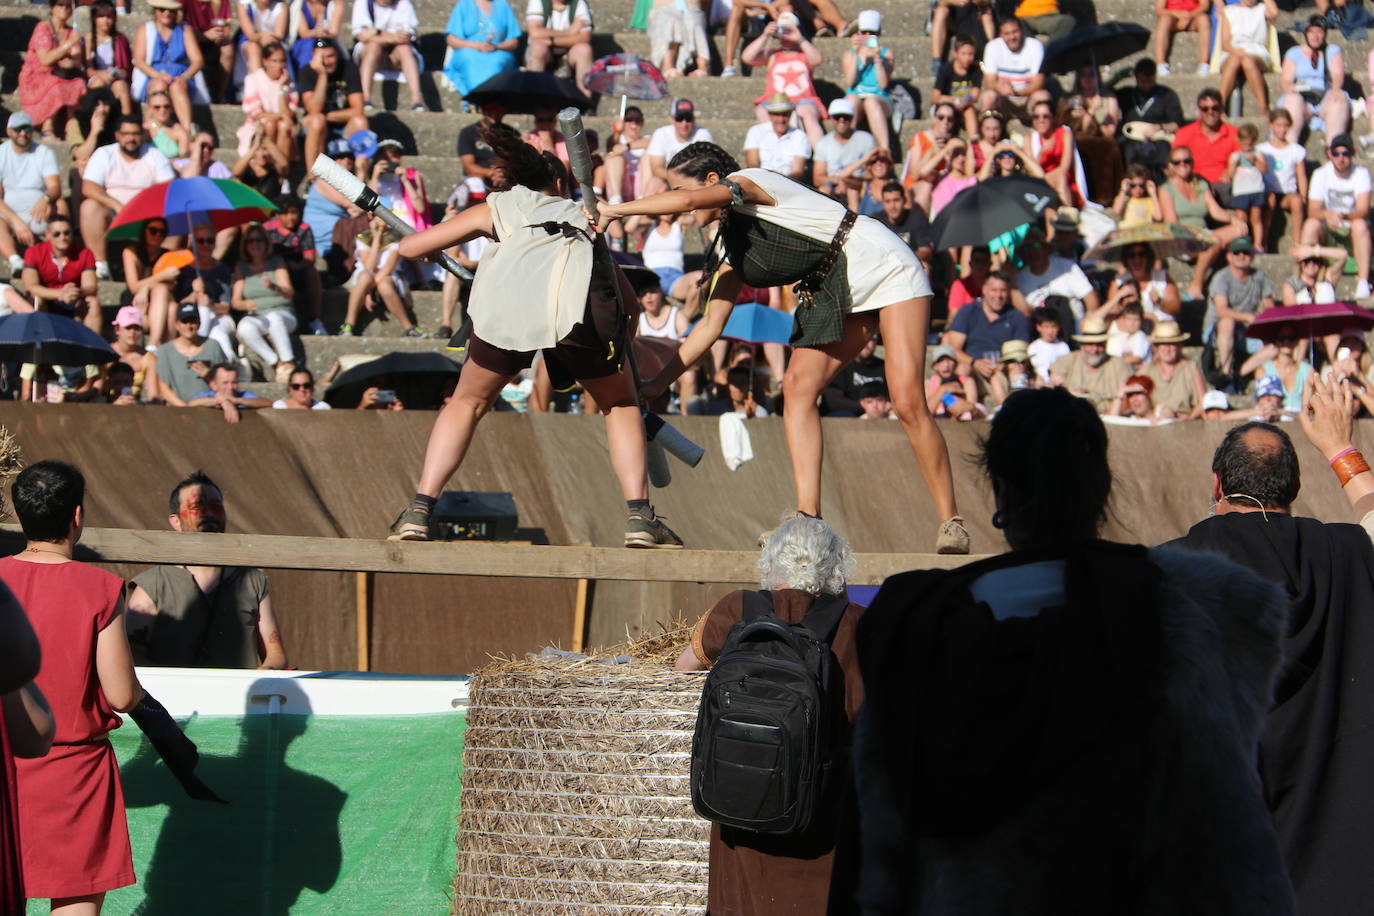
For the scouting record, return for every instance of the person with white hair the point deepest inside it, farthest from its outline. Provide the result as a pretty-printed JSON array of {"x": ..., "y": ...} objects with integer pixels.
[{"x": 802, "y": 559}]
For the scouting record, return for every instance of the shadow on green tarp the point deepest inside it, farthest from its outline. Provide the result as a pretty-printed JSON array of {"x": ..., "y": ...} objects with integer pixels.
[{"x": 326, "y": 814}]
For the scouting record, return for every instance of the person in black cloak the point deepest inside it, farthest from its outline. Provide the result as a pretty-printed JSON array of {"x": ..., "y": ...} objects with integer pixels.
[
  {"x": 1319, "y": 736},
  {"x": 1069, "y": 727}
]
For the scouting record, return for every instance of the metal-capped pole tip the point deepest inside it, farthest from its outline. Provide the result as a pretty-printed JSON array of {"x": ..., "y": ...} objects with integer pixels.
[{"x": 570, "y": 120}]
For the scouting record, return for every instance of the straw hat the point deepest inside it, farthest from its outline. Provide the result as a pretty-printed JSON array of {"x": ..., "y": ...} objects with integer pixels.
[
  {"x": 1015, "y": 351},
  {"x": 165, "y": 5},
  {"x": 779, "y": 103},
  {"x": 1094, "y": 331},
  {"x": 1167, "y": 332}
]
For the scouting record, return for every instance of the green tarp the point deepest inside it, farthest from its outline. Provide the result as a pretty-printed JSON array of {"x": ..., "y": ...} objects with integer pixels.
[{"x": 327, "y": 815}]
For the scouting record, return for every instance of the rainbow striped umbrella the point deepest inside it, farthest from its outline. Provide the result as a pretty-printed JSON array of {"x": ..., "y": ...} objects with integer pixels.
[{"x": 188, "y": 202}]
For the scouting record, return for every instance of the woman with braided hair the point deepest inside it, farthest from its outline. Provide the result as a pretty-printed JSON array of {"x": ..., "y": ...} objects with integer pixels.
[
  {"x": 853, "y": 277},
  {"x": 540, "y": 242}
]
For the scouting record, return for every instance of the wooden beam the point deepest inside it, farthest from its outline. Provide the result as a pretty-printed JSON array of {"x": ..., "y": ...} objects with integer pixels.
[
  {"x": 453, "y": 558},
  {"x": 362, "y": 584}
]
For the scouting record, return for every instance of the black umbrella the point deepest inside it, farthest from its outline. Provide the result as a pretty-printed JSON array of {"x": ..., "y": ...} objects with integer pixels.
[
  {"x": 53, "y": 340},
  {"x": 634, "y": 269},
  {"x": 417, "y": 378},
  {"x": 980, "y": 213},
  {"x": 522, "y": 91},
  {"x": 1095, "y": 46}
]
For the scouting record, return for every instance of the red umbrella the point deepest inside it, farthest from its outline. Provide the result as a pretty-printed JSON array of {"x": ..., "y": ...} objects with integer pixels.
[{"x": 1311, "y": 320}]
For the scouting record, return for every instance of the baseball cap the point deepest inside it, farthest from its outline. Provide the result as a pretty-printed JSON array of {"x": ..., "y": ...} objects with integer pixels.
[
  {"x": 941, "y": 352},
  {"x": 129, "y": 315},
  {"x": 1241, "y": 243},
  {"x": 337, "y": 148},
  {"x": 841, "y": 107},
  {"x": 363, "y": 143},
  {"x": 1270, "y": 384},
  {"x": 1215, "y": 400},
  {"x": 188, "y": 313},
  {"x": 684, "y": 110},
  {"x": 870, "y": 21},
  {"x": 20, "y": 119},
  {"x": 1341, "y": 140}
]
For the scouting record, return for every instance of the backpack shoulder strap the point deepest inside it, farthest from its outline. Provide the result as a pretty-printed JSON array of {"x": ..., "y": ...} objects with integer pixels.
[
  {"x": 757, "y": 604},
  {"x": 823, "y": 618}
]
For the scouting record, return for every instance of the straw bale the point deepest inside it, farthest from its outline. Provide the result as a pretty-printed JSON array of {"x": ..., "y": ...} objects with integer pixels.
[{"x": 575, "y": 786}]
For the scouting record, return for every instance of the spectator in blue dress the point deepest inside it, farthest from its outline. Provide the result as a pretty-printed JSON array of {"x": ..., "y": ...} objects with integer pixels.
[
  {"x": 325, "y": 206},
  {"x": 482, "y": 36}
]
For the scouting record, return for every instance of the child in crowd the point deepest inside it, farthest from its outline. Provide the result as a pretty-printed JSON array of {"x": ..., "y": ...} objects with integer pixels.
[
  {"x": 1137, "y": 203},
  {"x": 377, "y": 254},
  {"x": 875, "y": 402},
  {"x": 1285, "y": 176},
  {"x": 1136, "y": 398},
  {"x": 1245, "y": 170},
  {"x": 949, "y": 394},
  {"x": 1125, "y": 337},
  {"x": 1047, "y": 347}
]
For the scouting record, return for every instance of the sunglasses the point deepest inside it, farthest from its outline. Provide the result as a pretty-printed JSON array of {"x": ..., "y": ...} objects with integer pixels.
[
  {"x": 634, "y": 120},
  {"x": 1006, "y": 154},
  {"x": 1180, "y": 162},
  {"x": 132, "y": 327},
  {"x": 61, "y": 233},
  {"x": 684, "y": 117},
  {"x": 1137, "y": 254},
  {"x": 302, "y": 386},
  {"x": 25, "y": 128},
  {"x": 1135, "y": 184},
  {"x": 1208, "y": 108},
  {"x": 1243, "y": 254},
  {"x": 943, "y": 117},
  {"x": 155, "y": 230},
  {"x": 842, "y": 117},
  {"x": 1343, "y": 153}
]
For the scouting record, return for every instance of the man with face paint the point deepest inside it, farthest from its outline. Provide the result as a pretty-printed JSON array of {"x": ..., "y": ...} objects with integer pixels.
[{"x": 203, "y": 616}]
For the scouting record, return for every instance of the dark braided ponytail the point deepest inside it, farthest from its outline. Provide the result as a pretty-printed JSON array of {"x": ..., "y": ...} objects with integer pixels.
[
  {"x": 515, "y": 161},
  {"x": 700, "y": 159}
]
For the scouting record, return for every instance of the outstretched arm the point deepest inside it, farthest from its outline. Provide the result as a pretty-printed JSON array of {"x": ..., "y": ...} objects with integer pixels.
[
  {"x": 706, "y": 332},
  {"x": 468, "y": 225},
  {"x": 669, "y": 203}
]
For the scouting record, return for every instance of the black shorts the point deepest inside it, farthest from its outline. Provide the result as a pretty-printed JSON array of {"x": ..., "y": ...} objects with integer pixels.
[{"x": 593, "y": 349}]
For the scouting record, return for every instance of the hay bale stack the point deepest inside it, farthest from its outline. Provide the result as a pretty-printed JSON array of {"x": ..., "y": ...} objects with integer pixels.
[{"x": 575, "y": 793}]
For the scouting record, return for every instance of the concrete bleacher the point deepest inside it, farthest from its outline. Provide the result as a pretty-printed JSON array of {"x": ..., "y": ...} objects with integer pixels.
[{"x": 723, "y": 105}]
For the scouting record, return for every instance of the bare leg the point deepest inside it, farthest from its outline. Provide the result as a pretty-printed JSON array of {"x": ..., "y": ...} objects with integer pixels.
[
  {"x": 1164, "y": 31},
  {"x": 877, "y": 113},
  {"x": 407, "y": 57},
  {"x": 809, "y": 372},
  {"x": 367, "y": 67},
  {"x": 88, "y": 905},
  {"x": 357, "y": 296},
  {"x": 1226, "y": 333},
  {"x": 392, "y": 299},
  {"x": 734, "y": 28},
  {"x": 453, "y": 430},
  {"x": 1336, "y": 113},
  {"x": 1230, "y": 70},
  {"x": 615, "y": 397},
  {"x": 904, "y": 327},
  {"x": 95, "y": 219}
]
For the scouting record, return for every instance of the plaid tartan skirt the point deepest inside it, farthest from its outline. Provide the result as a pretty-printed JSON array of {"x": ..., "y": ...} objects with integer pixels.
[{"x": 765, "y": 254}]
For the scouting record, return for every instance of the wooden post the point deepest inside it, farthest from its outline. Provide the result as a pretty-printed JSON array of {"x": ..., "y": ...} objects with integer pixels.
[
  {"x": 579, "y": 635},
  {"x": 363, "y": 590}
]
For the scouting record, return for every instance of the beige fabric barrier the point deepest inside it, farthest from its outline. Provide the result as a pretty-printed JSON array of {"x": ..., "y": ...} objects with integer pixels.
[{"x": 346, "y": 473}]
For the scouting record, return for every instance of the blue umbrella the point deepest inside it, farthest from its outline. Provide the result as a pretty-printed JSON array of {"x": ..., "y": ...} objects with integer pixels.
[
  {"x": 54, "y": 340},
  {"x": 758, "y": 324}
]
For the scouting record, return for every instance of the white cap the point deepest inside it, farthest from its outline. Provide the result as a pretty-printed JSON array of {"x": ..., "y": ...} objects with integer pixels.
[
  {"x": 788, "y": 21},
  {"x": 1215, "y": 400},
  {"x": 841, "y": 107},
  {"x": 870, "y": 21}
]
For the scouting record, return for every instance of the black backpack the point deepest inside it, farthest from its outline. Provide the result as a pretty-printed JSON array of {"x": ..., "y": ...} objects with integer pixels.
[{"x": 772, "y": 711}]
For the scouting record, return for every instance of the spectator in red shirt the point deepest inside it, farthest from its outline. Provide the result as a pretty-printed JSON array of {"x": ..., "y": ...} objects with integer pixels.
[
  {"x": 1212, "y": 141},
  {"x": 969, "y": 286},
  {"x": 59, "y": 274},
  {"x": 294, "y": 242}
]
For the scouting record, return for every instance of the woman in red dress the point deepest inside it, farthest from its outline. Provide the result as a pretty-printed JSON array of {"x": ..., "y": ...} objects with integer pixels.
[
  {"x": 53, "y": 77},
  {"x": 1052, "y": 145},
  {"x": 74, "y": 838}
]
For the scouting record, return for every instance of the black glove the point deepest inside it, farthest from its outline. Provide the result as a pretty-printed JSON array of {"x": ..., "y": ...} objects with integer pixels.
[{"x": 172, "y": 745}]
